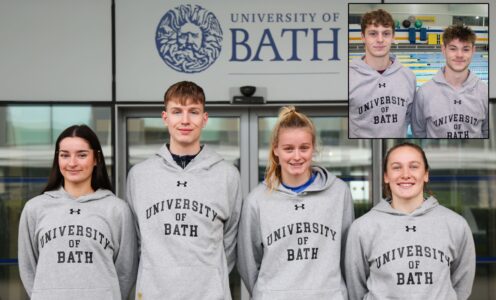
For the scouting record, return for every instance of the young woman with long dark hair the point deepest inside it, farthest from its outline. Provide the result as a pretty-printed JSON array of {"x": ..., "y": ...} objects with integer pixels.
[{"x": 77, "y": 239}]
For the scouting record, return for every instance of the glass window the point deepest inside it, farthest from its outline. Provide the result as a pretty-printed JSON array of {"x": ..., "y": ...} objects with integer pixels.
[
  {"x": 355, "y": 19},
  {"x": 469, "y": 20},
  {"x": 27, "y": 137},
  {"x": 485, "y": 276},
  {"x": 348, "y": 159}
]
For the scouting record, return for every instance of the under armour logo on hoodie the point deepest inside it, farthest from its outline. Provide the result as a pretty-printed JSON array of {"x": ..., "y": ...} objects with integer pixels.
[
  {"x": 75, "y": 211},
  {"x": 382, "y": 85},
  {"x": 302, "y": 206},
  {"x": 179, "y": 183},
  {"x": 413, "y": 228},
  {"x": 457, "y": 101}
]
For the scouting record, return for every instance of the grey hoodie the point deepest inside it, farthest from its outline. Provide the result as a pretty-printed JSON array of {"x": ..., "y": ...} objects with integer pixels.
[
  {"x": 290, "y": 245},
  {"x": 187, "y": 222},
  {"x": 77, "y": 249},
  {"x": 427, "y": 254},
  {"x": 440, "y": 111},
  {"x": 380, "y": 104}
]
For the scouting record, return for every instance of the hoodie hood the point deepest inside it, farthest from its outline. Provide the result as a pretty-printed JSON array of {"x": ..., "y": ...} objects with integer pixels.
[
  {"x": 360, "y": 66},
  {"x": 205, "y": 159},
  {"x": 97, "y": 195},
  {"x": 323, "y": 181},
  {"x": 469, "y": 84},
  {"x": 385, "y": 207}
]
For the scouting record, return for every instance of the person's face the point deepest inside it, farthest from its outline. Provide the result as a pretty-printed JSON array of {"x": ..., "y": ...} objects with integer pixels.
[
  {"x": 458, "y": 55},
  {"x": 184, "y": 122},
  {"x": 76, "y": 161},
  {"x": 377, "y": 40},
  {"x": 406, "y": 174},
  {"x": 294, "y": 150}
]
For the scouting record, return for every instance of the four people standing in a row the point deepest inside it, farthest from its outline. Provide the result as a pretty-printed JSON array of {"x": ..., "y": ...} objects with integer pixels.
[{"x": 78, "y": 241}]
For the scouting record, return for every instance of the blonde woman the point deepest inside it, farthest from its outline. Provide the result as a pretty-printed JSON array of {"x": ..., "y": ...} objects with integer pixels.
[{"x": 293, "y": 225}]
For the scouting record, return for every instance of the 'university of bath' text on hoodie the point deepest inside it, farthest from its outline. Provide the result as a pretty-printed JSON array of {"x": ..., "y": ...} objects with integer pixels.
[
  {"x": 440, "y": 111},
  {"x": 78, "y": 249},
  {"x": 187, "y": 223},
  {"x": 380, "y": 104},
  {"x": 290, "y": 244},
  {"x": 427, "y": 254}
]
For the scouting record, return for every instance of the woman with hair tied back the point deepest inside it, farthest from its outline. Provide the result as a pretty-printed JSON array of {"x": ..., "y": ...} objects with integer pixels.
[
  {"x": 408, "y": 246},
  {"x": 77, "y": 239},
  {"x": 293, "y": 225}
]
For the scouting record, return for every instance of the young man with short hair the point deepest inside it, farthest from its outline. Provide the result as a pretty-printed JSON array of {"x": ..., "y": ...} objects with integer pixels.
[
  {"x": 454, "y": 103},
  {"x": 381, "y": 90},
  {"x": 187, "y": 201}
]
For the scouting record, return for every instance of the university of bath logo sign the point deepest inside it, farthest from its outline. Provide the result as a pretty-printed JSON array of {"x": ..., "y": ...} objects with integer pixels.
[{"x": 189, "y": 38}]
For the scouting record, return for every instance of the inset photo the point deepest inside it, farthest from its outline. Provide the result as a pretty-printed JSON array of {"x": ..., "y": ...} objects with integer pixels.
[{"x": 418, "y": 71}]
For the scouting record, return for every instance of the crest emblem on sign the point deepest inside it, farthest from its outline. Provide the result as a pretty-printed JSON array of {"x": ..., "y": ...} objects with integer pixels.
[{"x": 189, "y": 38}]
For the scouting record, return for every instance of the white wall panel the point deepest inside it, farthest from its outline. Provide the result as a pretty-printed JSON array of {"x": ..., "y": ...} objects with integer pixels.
[{"x": 55, "y": 50}]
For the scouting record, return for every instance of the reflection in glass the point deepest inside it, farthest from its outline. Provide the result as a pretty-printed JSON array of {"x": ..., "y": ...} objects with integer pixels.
[
  {"x": 10, "y": 284},
  {"x": 485, "y": 281}
]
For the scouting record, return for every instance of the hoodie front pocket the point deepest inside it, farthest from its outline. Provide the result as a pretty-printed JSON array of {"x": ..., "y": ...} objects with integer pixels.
[
  {"x": 72, "y": 294},
  {"x": 180, "y": 282}
]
